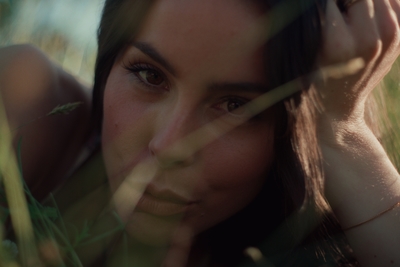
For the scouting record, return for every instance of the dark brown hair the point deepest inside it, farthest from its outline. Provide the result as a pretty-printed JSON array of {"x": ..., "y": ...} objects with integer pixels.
[{"x": 295, "y": 184}]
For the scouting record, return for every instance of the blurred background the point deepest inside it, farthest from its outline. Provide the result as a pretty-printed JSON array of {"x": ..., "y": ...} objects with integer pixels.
[{"x": 64, "y": 29}]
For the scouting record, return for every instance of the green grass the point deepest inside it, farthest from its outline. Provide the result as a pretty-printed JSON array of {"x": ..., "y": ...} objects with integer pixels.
[{"x": 37, "y": 226}]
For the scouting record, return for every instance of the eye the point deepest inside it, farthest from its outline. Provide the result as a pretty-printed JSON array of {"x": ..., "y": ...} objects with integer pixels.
[
  {"x": 233, "y": 105},
  {"x": 147, "y": 74},
  {"x": 151, "y": 76}
]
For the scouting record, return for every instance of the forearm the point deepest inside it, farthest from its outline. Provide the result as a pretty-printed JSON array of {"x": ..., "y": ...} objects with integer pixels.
[{"x": 361, "y": 182}]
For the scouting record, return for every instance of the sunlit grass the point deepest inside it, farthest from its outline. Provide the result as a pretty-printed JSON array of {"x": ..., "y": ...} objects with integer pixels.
[
  {"x": 13, "y": 186},
  {"x": 388, "y": 96},
  {"x": 40, "y": 231}
]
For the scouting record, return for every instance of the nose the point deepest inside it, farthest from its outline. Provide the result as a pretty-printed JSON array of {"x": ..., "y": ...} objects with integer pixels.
[{"x": 169, "y": 144}]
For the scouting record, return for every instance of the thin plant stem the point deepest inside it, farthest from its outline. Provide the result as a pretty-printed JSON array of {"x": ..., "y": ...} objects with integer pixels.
[{"x": 14, "y": 190}]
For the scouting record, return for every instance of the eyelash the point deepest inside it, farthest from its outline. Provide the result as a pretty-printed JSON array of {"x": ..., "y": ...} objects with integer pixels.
[
  {"x": 243, "y": 102},
  {"x": 135, "y": 68},
  {"x": 232, "y": 99}
]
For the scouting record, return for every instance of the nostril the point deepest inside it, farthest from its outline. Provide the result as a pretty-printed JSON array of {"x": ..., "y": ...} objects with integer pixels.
[
  {"x": 172, "y": 164},
  {"x": 171, "y": 158}
]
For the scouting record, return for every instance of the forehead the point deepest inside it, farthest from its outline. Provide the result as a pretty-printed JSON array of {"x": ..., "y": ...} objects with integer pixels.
[
  {"x": 200, "y": 31},
  {"x": 203, "y": 15}
]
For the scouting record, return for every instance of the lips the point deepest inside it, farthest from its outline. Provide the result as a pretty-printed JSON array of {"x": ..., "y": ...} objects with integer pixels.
[{"x": 163, "y": 203}]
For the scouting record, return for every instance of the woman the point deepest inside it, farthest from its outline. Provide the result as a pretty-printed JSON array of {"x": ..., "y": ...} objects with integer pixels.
[{"x": 171, "y": 69}]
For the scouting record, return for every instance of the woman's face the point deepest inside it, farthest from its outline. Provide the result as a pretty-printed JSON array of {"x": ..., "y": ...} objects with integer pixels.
[{"x": 192, "y": 62}]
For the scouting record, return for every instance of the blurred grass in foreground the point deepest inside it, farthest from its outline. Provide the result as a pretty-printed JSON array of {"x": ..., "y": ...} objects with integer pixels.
[{"x": 388, "y": 98}]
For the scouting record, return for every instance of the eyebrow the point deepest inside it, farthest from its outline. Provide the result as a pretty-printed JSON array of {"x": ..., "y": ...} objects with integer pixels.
[
  {"x": 150, "y": 51},
  {"x": 240, "y": 87}
]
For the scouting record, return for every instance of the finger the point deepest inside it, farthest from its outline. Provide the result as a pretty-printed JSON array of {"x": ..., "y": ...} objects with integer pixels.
[
  {"x": 395, "y": 4},
  {"x": 395, "y": 8},
  {"x": 362, "y": 24},
  {"x": 386, "y": 19},
  {"x": 338, "y": 43},
  {"x": 363, "y": 8},
  {"x": 388, "y": 28},
  {"x": 179, "y": 250}
]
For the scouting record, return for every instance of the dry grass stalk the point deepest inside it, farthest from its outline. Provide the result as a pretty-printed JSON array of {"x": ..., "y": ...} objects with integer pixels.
[{"x": 17, "y": 203}]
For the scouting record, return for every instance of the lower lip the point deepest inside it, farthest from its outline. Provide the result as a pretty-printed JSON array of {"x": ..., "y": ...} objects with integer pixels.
[{"x": 160, "y": 207}]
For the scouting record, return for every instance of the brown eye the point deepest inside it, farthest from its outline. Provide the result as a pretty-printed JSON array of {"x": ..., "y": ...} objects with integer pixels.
[
  {"x": 232, "y": 105},
  {"x": 235, "y": 106},
  {"x": 150, "y": 76}
]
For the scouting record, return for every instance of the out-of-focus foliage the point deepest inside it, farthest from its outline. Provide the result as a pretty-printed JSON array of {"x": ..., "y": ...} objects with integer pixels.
[
  {"x": 65, "y": 30},
  {"x": 388, "y": 98},
  {"x": 4, "y": 11}
]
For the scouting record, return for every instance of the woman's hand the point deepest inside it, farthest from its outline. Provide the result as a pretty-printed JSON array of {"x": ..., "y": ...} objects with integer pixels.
[{"x": 368, "y": 30}]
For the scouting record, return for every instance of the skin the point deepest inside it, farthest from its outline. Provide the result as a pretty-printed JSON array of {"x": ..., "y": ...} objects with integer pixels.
[{"x": 144, "y": 115}]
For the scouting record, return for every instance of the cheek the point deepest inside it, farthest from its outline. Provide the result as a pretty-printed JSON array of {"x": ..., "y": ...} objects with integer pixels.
[
  {"x": 242, "y": 160},
  {"x": 120, "y": 108},
  {"x": 124, "y": 131},
  {"x": 235, "y": 173},
  {"x": 111, "y": 127},
  {"x": 112, "y": 114}
]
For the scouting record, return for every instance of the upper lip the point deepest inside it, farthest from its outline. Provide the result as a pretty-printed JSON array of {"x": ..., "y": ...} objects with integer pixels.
[{"x": 167, "y": 195}]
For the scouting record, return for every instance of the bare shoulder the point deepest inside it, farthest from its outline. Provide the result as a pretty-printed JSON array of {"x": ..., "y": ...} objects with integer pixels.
[
  {"x": 28, "y": 76},
  {"x": 31, "y": 86}
]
